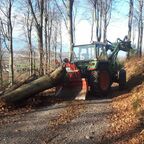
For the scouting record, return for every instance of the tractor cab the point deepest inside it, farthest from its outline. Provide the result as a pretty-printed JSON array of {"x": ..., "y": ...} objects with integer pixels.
[
  {"x": 86, "y": 57},
  {"x": 89, "y": 52}
]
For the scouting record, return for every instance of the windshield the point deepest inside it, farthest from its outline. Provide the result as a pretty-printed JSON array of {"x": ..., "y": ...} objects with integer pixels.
[
  {"x": 89, "y": 52},
  {"x": 84, "y": 52}
]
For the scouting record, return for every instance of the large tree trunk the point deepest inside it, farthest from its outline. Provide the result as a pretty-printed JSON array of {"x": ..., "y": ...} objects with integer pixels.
[
  {"x": 38, "y": 18},
  {"x": 105, "y": 29},
  {"x": 29, "y": 31},
  {"x": 130, "y": 21},
  {"x": 70, "y": 25},
  {"x": 61, "y": 44},
  {"x": 34, "y": 87},
  {"x": 92, "y": 25},
  {"x": 41, "y": 53},
  {"x": 98, "y": 20},
  {"x": 1, "y": 69},
  {"x": 31, "y": 62},
  {"x": 140, "y": 28},
  {"x": 10, "y": 35},
  {"x": 11, "y": 69},
  {"x": 20, "y": 83},
  {"x": 46, "y": 47}
]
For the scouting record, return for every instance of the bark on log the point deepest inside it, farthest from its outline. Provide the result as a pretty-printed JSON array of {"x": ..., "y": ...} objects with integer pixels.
[
  {"x": 34, "y": 87},
  {"x": 18, "y": 84}
]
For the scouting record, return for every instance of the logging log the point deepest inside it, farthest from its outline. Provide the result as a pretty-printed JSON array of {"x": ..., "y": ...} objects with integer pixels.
[
  {"x": 19, "y": 83},
  {"x": 34, "y": 87}
]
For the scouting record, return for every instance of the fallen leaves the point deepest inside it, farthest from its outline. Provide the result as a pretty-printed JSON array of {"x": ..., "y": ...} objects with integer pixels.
[
  {"x": 127, "y": 122},
  {"x": 69, "y": 113}
]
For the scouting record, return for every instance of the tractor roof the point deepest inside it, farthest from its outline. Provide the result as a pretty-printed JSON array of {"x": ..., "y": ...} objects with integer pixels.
[{"x": 94, "y": 43}]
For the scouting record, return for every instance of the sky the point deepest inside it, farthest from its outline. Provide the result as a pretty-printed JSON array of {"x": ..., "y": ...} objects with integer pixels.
[{"x": 116, "y": 29}]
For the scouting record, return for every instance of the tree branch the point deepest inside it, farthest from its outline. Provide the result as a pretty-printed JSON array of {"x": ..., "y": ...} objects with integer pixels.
[
  {"x": 61, "y": 14},
  {"x": 32, "y": 10}
]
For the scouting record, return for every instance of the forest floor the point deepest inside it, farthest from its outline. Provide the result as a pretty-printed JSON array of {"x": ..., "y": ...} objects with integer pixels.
[{"x": 45, "y": 119}]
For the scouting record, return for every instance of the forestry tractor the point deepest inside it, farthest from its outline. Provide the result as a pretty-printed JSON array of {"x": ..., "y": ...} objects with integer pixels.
[{"x": 94, "y": 67}]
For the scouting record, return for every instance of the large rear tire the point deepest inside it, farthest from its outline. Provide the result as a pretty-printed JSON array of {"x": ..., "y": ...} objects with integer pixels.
[
  {"x": 122, "y": 79},
  {"x": 101, "y": 83}
]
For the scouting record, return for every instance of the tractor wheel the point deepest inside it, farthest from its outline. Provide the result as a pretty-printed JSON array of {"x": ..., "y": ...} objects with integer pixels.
[
  {"x": 122, "y": 79},
  {"x": 104, "y": 82},
  {"x": 101, "y": 83}
]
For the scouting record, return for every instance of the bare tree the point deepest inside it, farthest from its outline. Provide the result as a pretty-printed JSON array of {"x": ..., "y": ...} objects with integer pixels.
[
  {"x": 49, "y": 18},
  {"x": 107, "y": 8},
  {"x": 140, "y": 28},
  {"x": 7, "y": 31},
  {"x": 69, "y": 6},
  {"x": 1, "y": 68},
  {"x": 46, "y": 36},
  {"x": 96, "y": 19},
  {"x": 61, "y": 41},
  {"x": 101, "y": 15},
  {"x": 29, "y": 25},
  {"x": 37, "y": 10},
  {"x": 68, "y": 19},
  {"x": 130, "y": 20}
]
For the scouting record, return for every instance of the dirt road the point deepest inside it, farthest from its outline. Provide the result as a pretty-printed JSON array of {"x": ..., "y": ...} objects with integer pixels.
[{"x": 71, "y": 122}]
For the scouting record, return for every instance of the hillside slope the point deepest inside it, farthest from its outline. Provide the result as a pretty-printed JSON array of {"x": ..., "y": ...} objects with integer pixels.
[{"x": 127, "y": 121}]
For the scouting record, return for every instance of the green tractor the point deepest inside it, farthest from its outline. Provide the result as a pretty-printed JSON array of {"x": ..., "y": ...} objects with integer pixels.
[{"x": 97, "y": 63}]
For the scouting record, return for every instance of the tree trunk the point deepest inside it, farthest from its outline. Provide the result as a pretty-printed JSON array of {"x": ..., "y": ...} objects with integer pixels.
[
  {"x": 92, "y": 26},
  {"x": 34, "y": 87},
  {"x": 141, "y": 40},
  {"x": 61, "y": 43},
  {"x": 46, "y": 36},
  {"x": 98, "y": 21},
  {"x": 10, "y": 35},
  {"x": 50, "y": 25},
  {"x": 41, "y": 53},
  {"x": 46, "y": 47},
  {"x": 1, "y": 68},
  {"x": 70, "y": 25},
  {"x": 29, "y": 34},
  {"x": 11, "y": 69},
  {"x": 140, "y": 28},
  {"x": 20, "y": 83},
  {"x": 31, "y": 61},
  {"x": 34, "y": 61},
  {"x": 105, "y": 29},
  {"x": 38, "y": 18},
  {"x": 49, "y": 52},
  {"x": 130, "y": 21}
]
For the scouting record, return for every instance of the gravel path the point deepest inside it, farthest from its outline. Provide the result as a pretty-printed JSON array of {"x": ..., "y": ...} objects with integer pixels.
[{"x": 81, "y": 122}]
